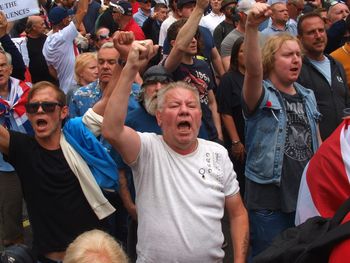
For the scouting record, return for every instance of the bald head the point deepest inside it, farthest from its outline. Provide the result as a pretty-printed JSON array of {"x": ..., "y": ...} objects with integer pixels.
[
  {"x": 35, "y": 26},
  {"x": 337, "y": 11}
]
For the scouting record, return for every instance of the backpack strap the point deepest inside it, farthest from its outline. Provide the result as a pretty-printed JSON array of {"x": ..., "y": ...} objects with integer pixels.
[{"x": 342, "y": 211}]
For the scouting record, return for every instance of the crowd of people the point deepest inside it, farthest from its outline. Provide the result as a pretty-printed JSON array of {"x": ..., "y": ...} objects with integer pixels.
[{"x": 132, "y": 128}]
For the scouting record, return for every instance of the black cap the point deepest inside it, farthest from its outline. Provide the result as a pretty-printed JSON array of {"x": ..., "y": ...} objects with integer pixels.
[
  {"x": 157, "y": 73},
  {"x": 181, "y": 3}
]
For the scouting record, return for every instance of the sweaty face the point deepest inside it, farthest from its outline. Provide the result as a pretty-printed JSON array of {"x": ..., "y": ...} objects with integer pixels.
[
  {"x": 287, "y": 63},
  {"x": 337, "y": 12},
  {"x": 313, "y": 37},
  {"x": 47, "y": 124},
  {"x": 180, "y": 119},
  {"x": 89, "y": 73},
  {"x": 280, "y": 13},
  {"x": 5, "y": 70},
  {"x": 107, "y": 59}
]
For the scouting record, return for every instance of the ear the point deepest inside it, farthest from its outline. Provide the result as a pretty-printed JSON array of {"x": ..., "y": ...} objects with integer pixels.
[
  {"x": 10, "y": 69},
  {"x": 159, "y": 118},
  {"x": 172, "y": 43},
  {"x": 64, "y": 112}
]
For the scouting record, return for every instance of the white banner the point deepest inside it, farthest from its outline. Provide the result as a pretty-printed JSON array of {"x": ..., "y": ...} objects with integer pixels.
[{"x": 17, "y": 9}]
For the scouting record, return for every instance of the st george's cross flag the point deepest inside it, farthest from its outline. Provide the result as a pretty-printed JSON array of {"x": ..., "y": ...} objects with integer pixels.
[{"x": 325, "y": 181}]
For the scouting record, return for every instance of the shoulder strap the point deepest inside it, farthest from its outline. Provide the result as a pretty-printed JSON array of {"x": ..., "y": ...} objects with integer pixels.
[{"x": 342, "y": 211}]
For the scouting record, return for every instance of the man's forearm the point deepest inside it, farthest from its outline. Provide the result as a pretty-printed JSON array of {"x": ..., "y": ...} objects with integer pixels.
[{"x": 239, "y": 229}]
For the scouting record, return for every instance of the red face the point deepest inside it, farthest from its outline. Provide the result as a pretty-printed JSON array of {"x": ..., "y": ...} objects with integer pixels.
[
  {"x": 107, "y": 59},
  {"x": 287, "y": 63},
  {"x": 5, "y": 70},
  {"x": 47, "y": 125},
  {"x": 180, "y": 119}
]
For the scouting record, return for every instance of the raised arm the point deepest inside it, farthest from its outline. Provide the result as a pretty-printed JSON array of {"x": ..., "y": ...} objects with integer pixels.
[
  {"x": 185, "y": 36},
  {"x": 252, "y": 87},
  {"x": 81, "y": 12},
  {"x": 18, "y": 65},
  {"x": 124, "y": 139}
]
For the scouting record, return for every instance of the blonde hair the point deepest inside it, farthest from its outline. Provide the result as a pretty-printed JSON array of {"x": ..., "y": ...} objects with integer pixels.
[
  {"x": 95, "y": 246},
  {"x": 272, "y": 45},
  {"x": 81, "y": 62}
]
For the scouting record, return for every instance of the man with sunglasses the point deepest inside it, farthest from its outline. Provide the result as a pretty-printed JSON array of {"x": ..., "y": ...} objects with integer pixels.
[
  {"x": 102, "y": 36},
  {"x": 143, "y": 12},
  {"x": 58, "y": 179}
]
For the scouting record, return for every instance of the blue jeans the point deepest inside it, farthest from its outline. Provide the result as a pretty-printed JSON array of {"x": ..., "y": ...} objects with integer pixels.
[{"x": 265, "y": 225}]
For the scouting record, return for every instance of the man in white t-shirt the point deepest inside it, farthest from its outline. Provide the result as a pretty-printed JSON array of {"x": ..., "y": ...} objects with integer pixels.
[
  {"x": 214, "y": 18},
  {"x": 182, "y": 183},
  {"x": 59, "y": 49}
]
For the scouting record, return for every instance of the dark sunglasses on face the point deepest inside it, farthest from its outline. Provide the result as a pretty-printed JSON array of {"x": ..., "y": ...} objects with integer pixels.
[{"x": 46, "y": 106}]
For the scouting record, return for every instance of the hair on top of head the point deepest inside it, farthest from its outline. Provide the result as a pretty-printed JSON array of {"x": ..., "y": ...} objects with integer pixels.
[
  {"x": 95, "y": 246},
  {"x": 161, "y": 95},
  {"x": 272, "y": 45},
  {"x": 61, "y": 96},
  {"x": 234, "y": 53},
  {"x": 81, "y": 61}
]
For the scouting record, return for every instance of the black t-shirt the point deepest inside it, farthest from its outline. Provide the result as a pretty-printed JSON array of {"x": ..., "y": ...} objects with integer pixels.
[
  {"x": 228, "y": 98},
  {"x": 297, "y": 153},
  {"x": 57, "y": 208},
  {"x": 199, "y": 75},
  {"x": 37, "y": 63}
]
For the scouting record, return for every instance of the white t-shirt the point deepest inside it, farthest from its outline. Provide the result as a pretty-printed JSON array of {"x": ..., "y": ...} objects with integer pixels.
[
  {"x": 164, "y": 29},
  {"x": 180, "y": 201},
  {"x": 58, "y": 51},
  {"x": 211, "y": 21}
]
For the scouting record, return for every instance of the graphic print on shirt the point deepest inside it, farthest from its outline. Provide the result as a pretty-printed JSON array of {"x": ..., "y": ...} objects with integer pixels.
[{"x": 298, "y": 144}]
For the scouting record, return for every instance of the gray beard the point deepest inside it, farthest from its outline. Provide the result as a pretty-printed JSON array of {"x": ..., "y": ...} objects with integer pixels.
[{"x": 150, "y": 105}]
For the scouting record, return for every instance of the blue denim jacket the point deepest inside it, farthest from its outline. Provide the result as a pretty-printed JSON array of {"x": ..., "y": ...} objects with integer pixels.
[{"x": 266, "y": 133}]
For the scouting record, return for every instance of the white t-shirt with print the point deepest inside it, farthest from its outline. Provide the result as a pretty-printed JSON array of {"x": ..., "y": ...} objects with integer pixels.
[{"x": 180, "y": 201}]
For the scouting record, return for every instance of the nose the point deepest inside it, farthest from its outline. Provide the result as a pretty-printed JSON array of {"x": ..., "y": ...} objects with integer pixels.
[
  {"x": 158, "y": 86},
  {"x": 183, "y": 110}
]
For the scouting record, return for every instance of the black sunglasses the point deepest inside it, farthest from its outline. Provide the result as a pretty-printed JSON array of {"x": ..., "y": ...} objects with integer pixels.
[{"x": 47, "y": 106}]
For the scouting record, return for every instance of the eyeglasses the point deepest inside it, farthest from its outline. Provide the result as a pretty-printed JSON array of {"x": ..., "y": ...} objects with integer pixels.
[
  {"x": 47, "y": 106},
  {"x": 103, "y": 37}
]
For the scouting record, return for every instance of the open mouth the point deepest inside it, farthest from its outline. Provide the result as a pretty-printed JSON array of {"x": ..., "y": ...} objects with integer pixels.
[
  {"x": 184, "y": 125},
  {"x": 41, "y": 123}
]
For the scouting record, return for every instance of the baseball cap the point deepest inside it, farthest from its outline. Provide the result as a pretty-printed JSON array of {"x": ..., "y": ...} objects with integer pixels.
[
  {"x": 123, "y": 7},
  {"x": 245, "y": 5},
  {"x": 225, "y": 3},
  {"x": 57, "y": 14},
  {"x": 156, "y": 73},
  {"x": 181, "y": 3}
]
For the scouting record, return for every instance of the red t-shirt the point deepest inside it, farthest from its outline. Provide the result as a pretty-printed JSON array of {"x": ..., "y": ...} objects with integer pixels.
[{"x": 134, "y": 27}]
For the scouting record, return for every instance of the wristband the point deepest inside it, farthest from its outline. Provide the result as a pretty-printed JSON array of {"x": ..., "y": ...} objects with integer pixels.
[{"x": 235, "y": 142}]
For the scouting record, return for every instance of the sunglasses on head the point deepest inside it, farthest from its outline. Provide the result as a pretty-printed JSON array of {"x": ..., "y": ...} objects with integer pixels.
[
  {"x": 46, "y": 106},
  {"x": 103, "y": 37},
  {"x": 333, "y": 3}
]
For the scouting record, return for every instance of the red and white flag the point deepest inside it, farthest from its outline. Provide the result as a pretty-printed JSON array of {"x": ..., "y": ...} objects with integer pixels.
[{"x": 325, "y": 182}]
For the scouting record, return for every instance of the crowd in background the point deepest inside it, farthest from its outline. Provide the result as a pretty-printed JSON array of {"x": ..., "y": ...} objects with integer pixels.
[{"x": 272, "y": 83}]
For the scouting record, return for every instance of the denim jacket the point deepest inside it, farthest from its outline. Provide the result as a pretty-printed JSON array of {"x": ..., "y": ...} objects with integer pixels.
[{"x": 266, "y": 133}]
